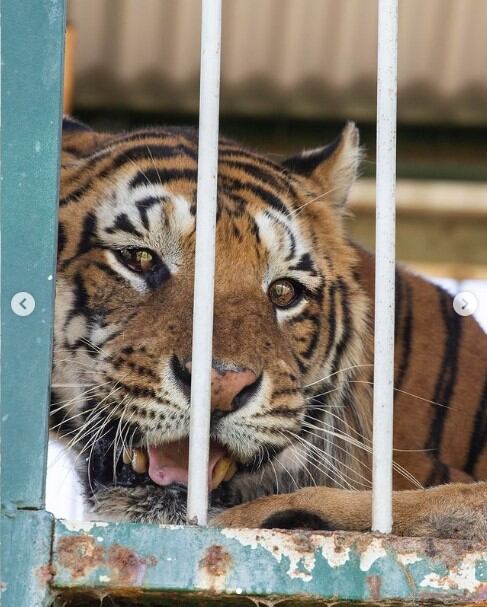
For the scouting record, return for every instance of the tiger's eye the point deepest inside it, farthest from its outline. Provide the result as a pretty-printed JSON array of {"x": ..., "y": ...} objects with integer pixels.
[
  {"x": 138, "y": 260},
  {"x": 282, "y": 293},
  {"x": 144, "y": 260}
]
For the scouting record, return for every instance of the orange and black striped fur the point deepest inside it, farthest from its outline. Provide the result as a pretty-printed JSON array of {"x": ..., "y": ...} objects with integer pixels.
[{"x": 292, "y": 347}]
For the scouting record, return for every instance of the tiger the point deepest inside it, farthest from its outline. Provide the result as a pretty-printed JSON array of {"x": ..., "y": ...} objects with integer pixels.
[{"x": 292, "y": 370}]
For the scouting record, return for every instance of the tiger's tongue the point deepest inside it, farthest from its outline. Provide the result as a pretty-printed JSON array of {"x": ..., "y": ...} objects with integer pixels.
[{"x": 169, "y": 463}]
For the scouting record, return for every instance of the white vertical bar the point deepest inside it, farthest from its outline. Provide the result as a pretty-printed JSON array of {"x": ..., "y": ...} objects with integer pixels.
[
  {"x": 384, "y": 267},
  {"x": 204, "y": 262}
]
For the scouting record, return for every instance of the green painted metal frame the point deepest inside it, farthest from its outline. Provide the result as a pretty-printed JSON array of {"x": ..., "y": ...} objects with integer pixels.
[
  {"x": 32, "y": 46},
  {"x": 146, "y": 561},
  {"x": 32, "y": 61},
  {"x": 140, "y": 564}
]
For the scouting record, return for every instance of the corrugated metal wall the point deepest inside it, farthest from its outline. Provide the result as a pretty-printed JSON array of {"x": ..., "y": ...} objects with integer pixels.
[{"x": 298, "y": 57}]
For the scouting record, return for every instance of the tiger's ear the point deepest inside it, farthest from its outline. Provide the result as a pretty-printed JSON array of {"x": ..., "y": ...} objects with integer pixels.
[
  {"x": 79, "y": 139},
  {"x": 334, "y": 167}
]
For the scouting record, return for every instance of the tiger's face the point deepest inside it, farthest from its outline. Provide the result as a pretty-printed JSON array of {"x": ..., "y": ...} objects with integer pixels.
[{"x": 283, "y": 322}]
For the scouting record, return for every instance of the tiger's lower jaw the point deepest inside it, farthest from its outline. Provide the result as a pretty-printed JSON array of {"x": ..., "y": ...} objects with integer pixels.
[{"x": 148, "y": 504}]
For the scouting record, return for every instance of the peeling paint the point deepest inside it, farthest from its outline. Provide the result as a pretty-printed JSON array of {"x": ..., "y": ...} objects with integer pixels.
[
  {"x": 374, "y": 551},
  {"x": 270, "y": 563},
  {"x": 334, "y": 551},
  {"x": 408, "y": 559},
  {"x": 301, "y": 559},
  {"x": 462, "y": 577}
]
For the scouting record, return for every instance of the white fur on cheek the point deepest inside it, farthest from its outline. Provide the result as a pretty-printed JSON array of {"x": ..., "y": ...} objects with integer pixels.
[
  {"x": 287, "y": 314},
  {"x": 182, "y": 220}
]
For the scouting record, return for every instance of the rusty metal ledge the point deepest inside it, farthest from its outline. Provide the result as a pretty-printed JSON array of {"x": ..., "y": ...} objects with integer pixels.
[{"x": 128, "y": 560}]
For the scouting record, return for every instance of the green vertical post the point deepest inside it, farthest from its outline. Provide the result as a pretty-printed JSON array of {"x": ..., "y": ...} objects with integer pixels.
[
  {"x": 31, "y": 87},
  {"x": 32, "y": 44}
]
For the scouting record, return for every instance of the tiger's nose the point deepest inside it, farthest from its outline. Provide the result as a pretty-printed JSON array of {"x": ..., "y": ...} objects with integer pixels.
[
  {"x": 230, "y": 390},
  {"x": 231, "y": 387}
]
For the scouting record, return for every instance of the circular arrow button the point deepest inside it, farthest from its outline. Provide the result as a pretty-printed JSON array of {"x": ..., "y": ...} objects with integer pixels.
[
  {"x": 22, "y": 303},
  {"x": 465, "y": 303}
]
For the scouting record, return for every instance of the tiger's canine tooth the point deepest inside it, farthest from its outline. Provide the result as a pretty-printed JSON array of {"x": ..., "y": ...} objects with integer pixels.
[
  {"x": 231, "y": 471},
  {"x": 127, "y": 456},
  {"x": 224, "y": 469},
  {"x": 139, "y": 461}
]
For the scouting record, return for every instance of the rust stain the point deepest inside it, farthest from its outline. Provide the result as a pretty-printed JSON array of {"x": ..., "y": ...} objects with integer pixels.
[
  {"x": 126, "y": 565},
  {"x": 216, "y": 561},
  {"x": 374, "y": 586},
  {"x": 80, "y": 555},
  {"x": 302, "y": 542},
  {"x": 45, "y": 574}
]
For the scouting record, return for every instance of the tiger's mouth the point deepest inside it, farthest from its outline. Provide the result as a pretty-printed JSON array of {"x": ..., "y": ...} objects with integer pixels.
[
  {"x": 160, "y": 466},
  {"x": 169, "y": 463}
]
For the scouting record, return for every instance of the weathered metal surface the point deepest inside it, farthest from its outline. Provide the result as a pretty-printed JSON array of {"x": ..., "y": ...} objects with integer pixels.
[
  {"x": 26, "y": 570},
  {"x": 32, "y": 50},
  {"x": 129, "y": 560}
]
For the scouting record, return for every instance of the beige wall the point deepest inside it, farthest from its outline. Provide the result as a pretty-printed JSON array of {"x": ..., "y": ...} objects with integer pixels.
[{"x": 300, "y": 57}]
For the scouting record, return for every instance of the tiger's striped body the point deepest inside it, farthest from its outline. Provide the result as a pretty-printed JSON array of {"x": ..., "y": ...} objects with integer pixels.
[{"x": 123, "y": 332}]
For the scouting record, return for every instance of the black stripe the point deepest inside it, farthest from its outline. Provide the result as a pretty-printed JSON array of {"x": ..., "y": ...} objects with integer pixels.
[
  {"x": 163, "y": 176},
  {"x": 142, "y": 152},
  {"x": 258, "y": 173},
  {"x": 144, "y": 205},
  {"x": 245, "y": 157},
  {"x": 123, "y": 224},
  {"x": 439, "y": 475},
  {"x": 260, "y": 192},
  {"x": 479, "y": 433},
  {"x": 406, "y": 336},
  {"x": 103, "y": 267},
  {"x": 314, "y": 337},
  {"x": 80, "y": 304},
  {"x": 446, "y": 380},
  {"x": 151, "y": 152},
  {"x": 305, "y": 264},
  {"x": 61, "y": 238},
  {"x": 254, "y": 230},
  {"x": 138, "y": 136},
  {"x": 87, "y": 238},
  {"x": 347, "y": 325},
  {"x": 76, "y": 194}
]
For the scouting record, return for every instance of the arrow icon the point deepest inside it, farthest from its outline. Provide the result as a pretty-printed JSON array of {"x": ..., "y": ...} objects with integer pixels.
[{"x": 22, "y": 303}]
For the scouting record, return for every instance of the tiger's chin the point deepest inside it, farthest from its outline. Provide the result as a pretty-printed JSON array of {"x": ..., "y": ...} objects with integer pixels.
[{"x": 149, "y": 504}]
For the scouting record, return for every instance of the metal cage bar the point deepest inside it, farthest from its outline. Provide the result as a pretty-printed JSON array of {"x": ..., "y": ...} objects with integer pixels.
[
  {"x": 384, "y": 267},
  {"x": 204, "y": 262}
]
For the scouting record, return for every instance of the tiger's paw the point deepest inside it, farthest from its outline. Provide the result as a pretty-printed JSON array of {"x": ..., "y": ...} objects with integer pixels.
[{"x": 274, "y": 512}]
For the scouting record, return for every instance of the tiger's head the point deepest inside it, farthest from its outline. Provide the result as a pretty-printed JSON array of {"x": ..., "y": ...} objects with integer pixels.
[{"x": 289, "y": 318}]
